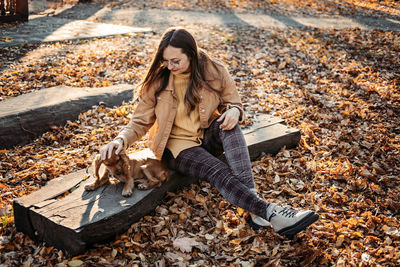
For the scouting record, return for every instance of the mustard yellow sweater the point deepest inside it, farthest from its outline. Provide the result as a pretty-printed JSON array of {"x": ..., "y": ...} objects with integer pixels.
[{"x": 186, "y": 131}]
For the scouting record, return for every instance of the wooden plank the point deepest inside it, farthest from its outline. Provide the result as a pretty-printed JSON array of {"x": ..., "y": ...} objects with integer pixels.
[
  {"x": 81, "y": 218},
  {"x": 269, "y": 134},
  {"x": 262, "y": 121},
  {"x": 271, "y": 139},
  {"x": 53, "y": 188},
  {"x": 26, "y": 117}
]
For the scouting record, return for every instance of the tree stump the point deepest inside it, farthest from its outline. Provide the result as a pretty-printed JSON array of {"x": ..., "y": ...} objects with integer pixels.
[{"x": 65, "y": 216}]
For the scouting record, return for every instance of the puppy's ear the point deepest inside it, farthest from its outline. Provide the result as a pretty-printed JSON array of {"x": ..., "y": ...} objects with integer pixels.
[
  {"x": 97, "y": 162},
  {"x": 126, "y": 165},
  {"x": 122, "y": 152}
]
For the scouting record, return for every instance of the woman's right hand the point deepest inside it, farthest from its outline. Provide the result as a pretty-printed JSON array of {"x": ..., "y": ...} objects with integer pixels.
[{"x": 106, "y": 151}]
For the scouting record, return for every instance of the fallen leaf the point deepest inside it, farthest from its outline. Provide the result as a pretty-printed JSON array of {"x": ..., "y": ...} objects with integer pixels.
[
  {"x": 75, "y": 263},
  {"x": 185, "y": 244}
]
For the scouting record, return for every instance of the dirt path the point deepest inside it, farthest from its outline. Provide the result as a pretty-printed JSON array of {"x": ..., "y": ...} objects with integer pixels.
[{"x": 92, "y": 20}]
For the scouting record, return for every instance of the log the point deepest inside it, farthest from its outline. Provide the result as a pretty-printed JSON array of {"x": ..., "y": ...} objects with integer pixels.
[
  {"x": 27, "y": 116},
  {"x": 75, "y": 220}
]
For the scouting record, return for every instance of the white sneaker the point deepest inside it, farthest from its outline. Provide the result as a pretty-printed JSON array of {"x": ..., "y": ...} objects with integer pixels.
[
  {"x": 288, "y": 222},
  {"x": 256, "y": 221}
]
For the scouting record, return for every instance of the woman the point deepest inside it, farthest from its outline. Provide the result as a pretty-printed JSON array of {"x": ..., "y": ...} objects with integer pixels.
[{"x": 192, "y": 106}]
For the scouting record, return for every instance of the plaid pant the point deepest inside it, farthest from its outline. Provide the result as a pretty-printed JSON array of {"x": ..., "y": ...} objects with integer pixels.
[{"x": 233, "y": 180}]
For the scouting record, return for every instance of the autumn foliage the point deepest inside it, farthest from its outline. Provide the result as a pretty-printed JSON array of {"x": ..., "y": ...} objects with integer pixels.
[{"x": 341, "y": 88}]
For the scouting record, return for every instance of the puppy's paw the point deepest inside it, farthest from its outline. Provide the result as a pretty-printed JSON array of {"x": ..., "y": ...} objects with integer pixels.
[
  {"x": 127, "y": 192},
  {"x": 143, "y": 186},
  {"x": 165, "y": 176},
  {"x": 90, "y": 187}
]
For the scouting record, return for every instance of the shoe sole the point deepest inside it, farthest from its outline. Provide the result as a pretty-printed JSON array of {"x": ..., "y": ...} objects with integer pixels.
[{"x": 291, "y": 231}]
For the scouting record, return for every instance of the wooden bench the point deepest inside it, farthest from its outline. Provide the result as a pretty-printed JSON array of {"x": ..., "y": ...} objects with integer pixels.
[
  {"x": 75, "y": 221},
  {"x": 14, "y": 10}
]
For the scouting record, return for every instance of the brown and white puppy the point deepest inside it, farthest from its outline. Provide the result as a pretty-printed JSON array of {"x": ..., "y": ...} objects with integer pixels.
[{"x": 151, "y": 172}]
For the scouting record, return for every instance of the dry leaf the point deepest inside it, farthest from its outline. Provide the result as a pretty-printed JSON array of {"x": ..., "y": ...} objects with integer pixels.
[
  {"x": 339, "y": 87},
  {"x": 75, "y": 263},
  {"x": 185, "y": 244}
]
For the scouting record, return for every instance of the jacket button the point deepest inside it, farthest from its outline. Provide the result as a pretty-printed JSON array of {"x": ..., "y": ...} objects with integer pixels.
[
  {"x": 201, "y": 97},
  {"x": 203, "y": 110}
]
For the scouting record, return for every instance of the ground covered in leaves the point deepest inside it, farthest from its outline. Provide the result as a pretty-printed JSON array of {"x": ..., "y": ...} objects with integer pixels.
[
  {"x": 320, "y": 8},
  {"x": 341, "y": 88}
]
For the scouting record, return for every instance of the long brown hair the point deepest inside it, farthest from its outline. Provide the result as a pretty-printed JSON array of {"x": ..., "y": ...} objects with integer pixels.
[{"x": 179, "y": 38}]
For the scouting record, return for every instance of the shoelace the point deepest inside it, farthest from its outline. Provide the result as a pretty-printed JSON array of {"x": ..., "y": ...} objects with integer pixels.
[{"x": 287, "y": 212}]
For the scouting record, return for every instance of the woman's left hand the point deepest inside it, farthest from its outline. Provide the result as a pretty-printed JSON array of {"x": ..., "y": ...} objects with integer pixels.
[{"x": 230, "y": 118}]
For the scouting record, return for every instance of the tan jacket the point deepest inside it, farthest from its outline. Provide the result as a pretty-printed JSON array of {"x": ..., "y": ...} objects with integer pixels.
[{"x": 158, "y": 112}]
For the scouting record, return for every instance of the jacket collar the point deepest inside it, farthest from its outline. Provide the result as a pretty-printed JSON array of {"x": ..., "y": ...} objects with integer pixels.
[{"x": 170, "y": 86}]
